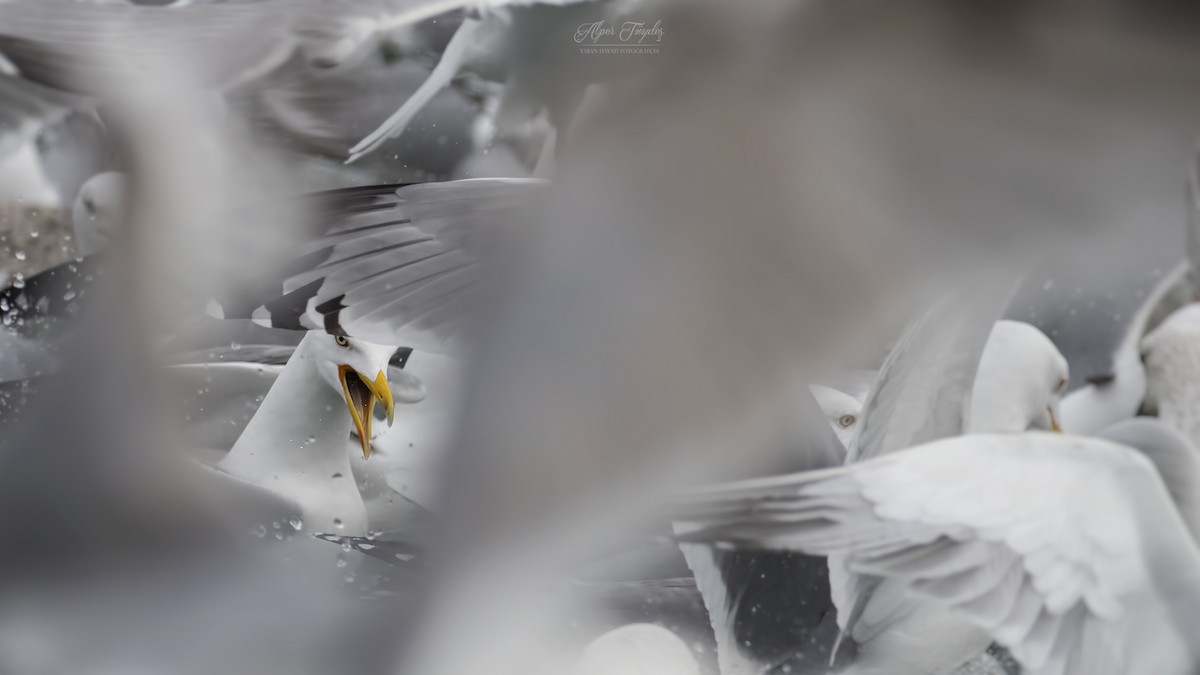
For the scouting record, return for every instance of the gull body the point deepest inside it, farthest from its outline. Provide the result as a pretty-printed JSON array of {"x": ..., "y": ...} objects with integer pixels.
[
  {"x": 295, "y": 445},
  {"x": 1018, "y": 382}
]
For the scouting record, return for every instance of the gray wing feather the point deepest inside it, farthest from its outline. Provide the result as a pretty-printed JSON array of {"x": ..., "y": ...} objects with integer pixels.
[
  {"x": 921, "y": 392},
  {"x": 416, "y": 277},
  {"x": 74, "y": 46}
]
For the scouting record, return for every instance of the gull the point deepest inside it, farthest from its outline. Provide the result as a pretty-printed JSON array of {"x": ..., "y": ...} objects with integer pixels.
[
  {"x": 97, "y": 216},
  {"x": 391, "y": 264},
  {"x": 1016, "y": 385},
  {"x": 98, "y": 212},
  {"x": 932, "y": 387},
  {"x": 28, "y": 305},
  {"x": 1078, "y": 554},
  {"x": 221, "y": 389},
  {"x": 1020, "y": 381},
  {"x": 520, "y": 42},
  {"x": 1013, "y": 349},
  {"x": 744, "y": 592},
  {"x": 224, "y": 388},
  {"x": 1120, "y": 392},
  {"x": 258, "y": 55},
  {"x": 294, "y": 446},
  {"x": 44, "y": 142}
]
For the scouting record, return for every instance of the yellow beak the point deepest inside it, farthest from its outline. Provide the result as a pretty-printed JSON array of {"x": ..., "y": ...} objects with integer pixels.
[
  {"x": 1054, "y": 421},
  {"x": 361, "y": 395}
]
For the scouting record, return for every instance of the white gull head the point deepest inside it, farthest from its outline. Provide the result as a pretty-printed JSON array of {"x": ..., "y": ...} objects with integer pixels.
[{"x": 1020, "y": 382}]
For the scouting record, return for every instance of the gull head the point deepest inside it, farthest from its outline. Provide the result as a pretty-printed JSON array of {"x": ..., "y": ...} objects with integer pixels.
[
  {"x": 358, "y": 370},
  {"x": 98, "y": 211},
  {"x": 841, "y": 410},
  {"x": 1020, "y": 382}
]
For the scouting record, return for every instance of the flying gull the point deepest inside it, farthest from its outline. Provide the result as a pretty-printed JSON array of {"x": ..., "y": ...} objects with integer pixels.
[{"x": 1078, "y": 554}]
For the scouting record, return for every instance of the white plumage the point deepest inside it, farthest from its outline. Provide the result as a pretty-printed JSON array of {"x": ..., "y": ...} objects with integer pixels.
[{"x": 1068, "y": 550}]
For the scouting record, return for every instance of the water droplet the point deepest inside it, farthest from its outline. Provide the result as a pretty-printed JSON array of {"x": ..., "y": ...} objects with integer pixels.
[
  {"x": 296, "y": 524},
  {"x": 20, "y": 255},
  {"x": 235, "y": 346},
  {"x": 34, "y": 234},
  {"x": 260, "y": 531},
  {"x": 337, "y": 522},
  {"x": 341, "y": 562},
  {"x": 18, "y": 281},
  {"x": 69, "y": 296}
]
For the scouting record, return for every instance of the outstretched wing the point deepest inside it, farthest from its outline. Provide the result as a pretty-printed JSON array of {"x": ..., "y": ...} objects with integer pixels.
[
  {"x": 80, "y": 47},
  {"x": 921, "y": 392},
  {"x": 1038, "y": 539},
  {"x": 394, "y": 265}
]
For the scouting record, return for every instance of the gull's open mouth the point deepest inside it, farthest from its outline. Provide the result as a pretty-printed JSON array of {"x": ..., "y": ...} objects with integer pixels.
[{"x": 361, "y": 395}]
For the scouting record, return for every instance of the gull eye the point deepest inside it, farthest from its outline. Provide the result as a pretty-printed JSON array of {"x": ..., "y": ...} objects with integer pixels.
[
  {"x": 1061, "y": 386},
  {"x": 341, "y": 340},
  {"x": 845, "y": 421}
]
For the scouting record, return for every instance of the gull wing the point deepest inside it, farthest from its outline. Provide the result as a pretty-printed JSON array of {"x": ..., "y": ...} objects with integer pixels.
[
  {"x": 394, "y": 265},
  {"x": 1042, "y": 540},
  {"x": 81, "y": 47}
]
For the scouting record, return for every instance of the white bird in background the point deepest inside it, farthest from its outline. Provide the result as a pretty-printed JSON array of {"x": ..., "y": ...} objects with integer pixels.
[
  {"x": 1014, "y": 384},
  {"x": 1122, "y": 391},
  {"x": 1078, "y": 554},
  {"x": 1021, "y": 379},
  {"x": 27, "y": 111},
  {"x": 1008, "y": 393},
  {"x": 98, "y": 212},
  {"x": 531, "y": 46}
]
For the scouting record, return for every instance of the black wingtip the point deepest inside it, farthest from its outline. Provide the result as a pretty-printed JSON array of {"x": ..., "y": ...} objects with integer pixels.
[{"x": 400, "y": 357}]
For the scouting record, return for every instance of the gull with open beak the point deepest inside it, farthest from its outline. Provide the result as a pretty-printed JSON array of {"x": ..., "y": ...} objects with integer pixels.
[{"x": 295, "y": 445}]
